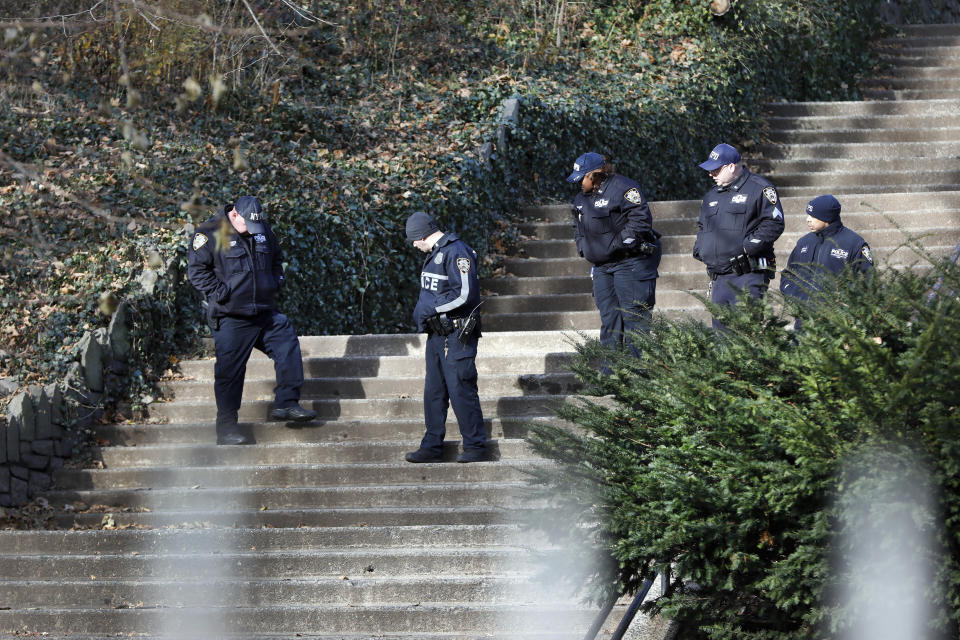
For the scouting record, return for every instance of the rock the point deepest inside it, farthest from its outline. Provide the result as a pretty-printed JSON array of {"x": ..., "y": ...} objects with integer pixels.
[
  {"x": 32, "y": 461},
  {"x": 20, "y": 420},
  {"x": 42, "y": 447},
  {"x": 38, "y": 482},
  {"x": 148, "y": 281},
  {"x": 8, "y": 386},
  {"x": 57, "y": 415},
  {"x": 41, "y": 405},
  {"x": 511, "y": 111},
  {"x": 91, "y": 359},
  {"x": 3, "y": 444},
  {"x": 119, "y": 333},
  {"x": 4, "y": 481},
  {"x": 17, "y": 471},
  {"x": 18, "y": 491}
]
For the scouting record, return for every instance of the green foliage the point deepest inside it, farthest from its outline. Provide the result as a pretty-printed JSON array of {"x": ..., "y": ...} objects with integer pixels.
[{"x": 732, "y": 457}]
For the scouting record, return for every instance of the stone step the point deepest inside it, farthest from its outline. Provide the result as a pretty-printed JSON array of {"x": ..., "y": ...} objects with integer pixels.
[
  {"x": 863, "y": 122},
  {"x": 203, "y": 455},
  {"x": 412, "y": 344},
  {"x": 533, "y": 285},
  {"x": 136, "y": 541},
  {"x": 587, "y": 320},
  {"x": 809, "y": 192},
  {"x": 911, "y": 41},
  {"x": 889, "y": 135},
  {"x": 903, "y": 70},
  {"x": 615, "y": 616},
  {"x": 950, "y": 83},
  {"x": 391, "y": 366},
  {"x": 352, "y": 409},
  {"x": 863, "y": 150},
  {"x": 860, "y": 108},
  {"x": 920, "y": 57},
  {"x": 949, "y": 175},
  {"x": 905, "y": 165},
  {"x": 257, "y": 388},
  {"x": 929, "y": 30},
  {"x": 887, "y": 93},
  {"x": 666, "y": 298},
  {"x": 504, "y": 426},
  {"x": 292, "y": 518},
  {"x": 357, "y": 591},
  {"x": 479, "y": 619},
  {"x": 289, "y": 475}
]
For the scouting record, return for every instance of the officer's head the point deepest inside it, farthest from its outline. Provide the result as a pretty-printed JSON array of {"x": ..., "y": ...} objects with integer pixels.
[
  {"x": 590, "y": 170},
  {"x": 246, "y": 215},
  {"x": 422, "y": 231},
  {"x": 822, "y": 211},
  {"x": 723, "y": 164}
]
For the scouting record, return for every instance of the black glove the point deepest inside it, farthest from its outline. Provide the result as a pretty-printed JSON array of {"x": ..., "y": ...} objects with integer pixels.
[
  {"x": 646, "y": 249},
  {"x": 741, "y": 264}
]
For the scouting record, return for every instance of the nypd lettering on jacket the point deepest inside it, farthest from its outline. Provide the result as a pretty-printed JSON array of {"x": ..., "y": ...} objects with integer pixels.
[
  {"x": 448, "y": 281},
  {"x": 822, "y": 254},
  {"x": 611, "y": 220},
  {"x": 745, "y": 216}
]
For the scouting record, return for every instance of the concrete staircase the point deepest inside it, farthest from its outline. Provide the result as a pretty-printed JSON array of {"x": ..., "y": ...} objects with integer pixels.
[{"x": 323, "y": 531}]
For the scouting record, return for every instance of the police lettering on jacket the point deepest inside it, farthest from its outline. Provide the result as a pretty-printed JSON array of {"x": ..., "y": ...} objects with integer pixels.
[
  {"x": 745, "y": 216},
  {"x": 239, "y": 275},
  {"x": 822, "y": 254},
  {"x": 448, "y": 281},
  {"x": 612, "y": 220}
]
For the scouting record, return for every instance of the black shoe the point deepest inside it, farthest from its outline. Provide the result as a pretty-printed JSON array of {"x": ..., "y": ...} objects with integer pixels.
[
  {"x": 473, "y": 455},
  {"x": 295, "y": 413},
  {"x": 234, "y": 438},
  {"x": 422, "y": 455}
]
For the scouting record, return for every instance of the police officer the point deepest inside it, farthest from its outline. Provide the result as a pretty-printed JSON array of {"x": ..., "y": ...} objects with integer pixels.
[
  {"x": 740, "y": 219},
  {"x": 446, "y": 308},
  {"x": 613, "y": 229},
  {"x": 235, "y": 262},
  {"x": 825, "y": 251}
]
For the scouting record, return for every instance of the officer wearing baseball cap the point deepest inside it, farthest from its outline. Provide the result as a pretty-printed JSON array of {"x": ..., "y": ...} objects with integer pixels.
[
  {"x": 613, "y": 229},
  {"x": 235, "y": 262},
  {"x": 740, "y": 219},
  {"x": 447, "y": 310},
  {"x": 829, "y": 248}
]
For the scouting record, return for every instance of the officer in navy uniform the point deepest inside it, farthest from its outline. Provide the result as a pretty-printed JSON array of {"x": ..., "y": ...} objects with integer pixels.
[
  {"x": 829, "y": 248},
  {"x": 740, "y": 219},
  {"x": 613, "y": 229},
  {"x": 446, "y": 311},
  {"x": 236, "y": 264}
]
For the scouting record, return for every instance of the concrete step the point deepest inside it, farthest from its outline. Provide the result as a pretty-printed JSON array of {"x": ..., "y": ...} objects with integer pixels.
[
  {"x": 860, "y": 108},
  {"x": 906, "y": 165},
  {"x": 667, "y": 298},
  {"x": 929, "y": 30},
  {"x": 903, "y": 70},
  {"x": 887, "y": 93},
  {"x": 809, "y": 192},
  {"x": 920, "y": 57},
  {"x": 490, "y": 384},
  {"x": 350, "y": 408},
  {"x": 432, "y": 618},
  {"x": 866, "y": 180},
  {"x": 911, "y": 41},
  {"x": 587, "y": 320},
  {"x": 412, "y": 344},
  {"x": 291, "y": 475},
  {"x": 173, "y": 501},
  {"x": 504, "y": 426},
  {"x": 291, "y": 453},
  {"x": 802, "y": 136},
  {"x": 390, "y": 366},
  {"x": 290, "y": 517},
  {"x": 864, "y": 122},
  {"x": 950, "y": 83},
  {"x": 825, "y": 149}
]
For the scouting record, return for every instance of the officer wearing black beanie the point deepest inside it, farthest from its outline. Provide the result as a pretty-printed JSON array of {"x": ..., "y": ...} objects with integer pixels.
[
  {"x": 824, "y": 252},
  {"x": 447, "y": 310}
]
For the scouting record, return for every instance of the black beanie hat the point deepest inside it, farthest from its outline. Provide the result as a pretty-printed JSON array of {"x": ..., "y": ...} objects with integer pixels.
[
  {"x": 420, "y": 225},
  {"x": 826, "y": 208}
]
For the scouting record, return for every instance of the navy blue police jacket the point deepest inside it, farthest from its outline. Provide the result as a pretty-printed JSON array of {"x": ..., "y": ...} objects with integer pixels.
[
  {"x": 611, "y": 221},
  {"x": 240, "y": 275},
  {"x": 745, "y": 216},
  {"x": 448, "y": 281},
  {"x": 822, "y": 254}
]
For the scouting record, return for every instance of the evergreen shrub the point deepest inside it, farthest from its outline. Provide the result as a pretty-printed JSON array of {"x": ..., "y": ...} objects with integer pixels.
[{"x": 733, "y": 460}]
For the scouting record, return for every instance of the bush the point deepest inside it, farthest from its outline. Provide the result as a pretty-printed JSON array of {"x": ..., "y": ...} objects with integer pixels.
[{"x": 730, "y": 459}]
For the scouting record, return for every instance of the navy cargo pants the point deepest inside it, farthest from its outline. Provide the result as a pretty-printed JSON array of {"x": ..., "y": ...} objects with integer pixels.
[
  {"x": 728, "y": 286},
  {"x": 234, "y": 339},
  {"x": 624, "y": 294},
  {"x": 452, "y": 379}
]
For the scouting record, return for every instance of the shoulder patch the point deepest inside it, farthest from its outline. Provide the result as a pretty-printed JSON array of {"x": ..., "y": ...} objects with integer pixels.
[
  {"x": 865, "y": 252},
  {"x": 633, "y": 195},
  {"x": 770, "y": 193},
  {"x": 199, "y": 240},
  {"x": 463, "y": 264}
]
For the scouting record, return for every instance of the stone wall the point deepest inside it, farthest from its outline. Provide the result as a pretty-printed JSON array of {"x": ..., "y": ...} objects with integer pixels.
[{"x": 43, "y": 423}]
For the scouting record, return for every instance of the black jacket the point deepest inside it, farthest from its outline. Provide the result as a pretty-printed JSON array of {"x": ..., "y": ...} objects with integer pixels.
[
  {"x": 610, "y": 222},
  {"x": 241, "y": 276},
  {"x": 448, "y": 281},
  {"x": 745, "y": 216},
  {"x": 822, "y": 254}
]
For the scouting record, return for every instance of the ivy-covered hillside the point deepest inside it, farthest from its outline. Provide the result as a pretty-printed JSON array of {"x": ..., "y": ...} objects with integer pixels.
[{"x": 124, "y": 123}]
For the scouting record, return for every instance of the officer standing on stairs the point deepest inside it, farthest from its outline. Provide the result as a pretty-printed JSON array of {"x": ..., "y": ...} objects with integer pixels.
[
  {"x": 740, "y": 219},
  {"x": 824, "y": 252},
  {"x": 613, "y": 229},
  {"x": 447, "y": 310},
  {"x": 236, "y": 263}
]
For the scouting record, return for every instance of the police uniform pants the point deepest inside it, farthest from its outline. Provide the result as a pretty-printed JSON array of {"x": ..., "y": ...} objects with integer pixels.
[
  {"x": 234, "y": 340},
  {"x": 451, "y": 378},
  {"x": 624, "y": 294},
  {"x": 728, "y": 286}
]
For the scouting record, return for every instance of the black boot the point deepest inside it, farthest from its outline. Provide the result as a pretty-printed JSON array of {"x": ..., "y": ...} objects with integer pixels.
[{"x": 296, "y": 413}]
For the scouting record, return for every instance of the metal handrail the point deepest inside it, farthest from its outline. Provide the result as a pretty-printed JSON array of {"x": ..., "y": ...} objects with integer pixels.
[{"x": 627, "y": 617}]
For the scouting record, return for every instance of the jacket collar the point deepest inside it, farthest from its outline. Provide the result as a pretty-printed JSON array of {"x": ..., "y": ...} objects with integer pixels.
[{"x": 831, "y": 229}]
